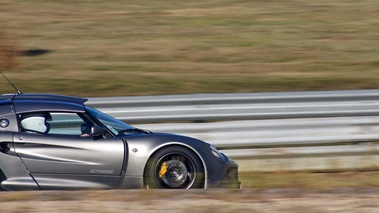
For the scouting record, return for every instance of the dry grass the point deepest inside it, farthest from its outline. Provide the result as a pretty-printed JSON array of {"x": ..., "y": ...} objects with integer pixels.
[
  {"x": 98, "y": 48},
  {"x": 352, "y": 191},
  {"x": 224, "y": 201},
  {"x": 310, "y": 180}
]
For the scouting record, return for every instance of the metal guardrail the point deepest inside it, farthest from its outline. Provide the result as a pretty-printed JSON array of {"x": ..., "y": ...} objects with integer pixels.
[
  {"x": 266, "y": 131},
  {"x": 278, "y": 133},
  {"x": 210, "y": 107}
]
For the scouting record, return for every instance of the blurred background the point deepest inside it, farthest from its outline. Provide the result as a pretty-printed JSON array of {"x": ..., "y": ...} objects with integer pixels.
[
  {"x": 103, "y": 48},
  {"x": 120, "y": 47}
]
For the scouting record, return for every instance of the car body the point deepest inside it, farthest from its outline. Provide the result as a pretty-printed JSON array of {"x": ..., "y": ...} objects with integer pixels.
[{"x": 57, "y": 142}]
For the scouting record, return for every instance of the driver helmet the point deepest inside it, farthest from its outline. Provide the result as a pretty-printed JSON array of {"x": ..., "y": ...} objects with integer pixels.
[{"x": 36, "y": 122}]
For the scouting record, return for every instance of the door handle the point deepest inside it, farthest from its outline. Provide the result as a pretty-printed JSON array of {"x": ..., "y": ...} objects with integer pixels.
[{"x": 19, "y": 144}]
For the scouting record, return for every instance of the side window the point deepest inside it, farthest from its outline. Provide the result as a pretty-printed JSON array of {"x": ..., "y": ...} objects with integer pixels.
[
  {"x": 66, "y": 124},
  {"x": 55, "y": 123}
]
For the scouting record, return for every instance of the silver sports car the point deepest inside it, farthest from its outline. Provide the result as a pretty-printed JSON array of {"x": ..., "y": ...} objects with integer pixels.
[{"x": 57, "y": 142}]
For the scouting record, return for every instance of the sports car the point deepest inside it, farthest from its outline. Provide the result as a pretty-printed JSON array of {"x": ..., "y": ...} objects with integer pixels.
[{"x": 52, "y": 142}]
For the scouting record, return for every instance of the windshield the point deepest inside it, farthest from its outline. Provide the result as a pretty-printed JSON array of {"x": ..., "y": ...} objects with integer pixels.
[{"x": 117, "y": 127}]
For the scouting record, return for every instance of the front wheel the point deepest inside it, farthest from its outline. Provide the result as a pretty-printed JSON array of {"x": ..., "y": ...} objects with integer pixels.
[{"x": 174, "y": 168}]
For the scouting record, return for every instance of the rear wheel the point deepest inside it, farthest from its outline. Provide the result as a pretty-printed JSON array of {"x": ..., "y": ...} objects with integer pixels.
[{"x": 174, "y": 168}]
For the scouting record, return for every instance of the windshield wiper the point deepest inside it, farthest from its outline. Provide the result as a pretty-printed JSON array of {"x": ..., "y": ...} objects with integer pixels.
[{"x": 136, "y": 130}]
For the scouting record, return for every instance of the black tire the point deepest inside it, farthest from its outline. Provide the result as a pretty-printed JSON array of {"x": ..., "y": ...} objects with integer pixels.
[{"x": 174, "y": 167}]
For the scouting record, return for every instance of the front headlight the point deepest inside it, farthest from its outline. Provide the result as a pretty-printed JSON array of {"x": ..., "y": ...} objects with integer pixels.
[{"x": 215, "y": 151}]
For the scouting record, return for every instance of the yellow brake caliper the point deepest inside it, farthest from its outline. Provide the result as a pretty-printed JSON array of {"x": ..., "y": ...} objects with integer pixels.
[{"x": 163, "y": 170}]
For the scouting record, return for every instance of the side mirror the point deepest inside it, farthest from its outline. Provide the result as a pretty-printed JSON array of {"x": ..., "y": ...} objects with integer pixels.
[{"x": 97, "y": 130}]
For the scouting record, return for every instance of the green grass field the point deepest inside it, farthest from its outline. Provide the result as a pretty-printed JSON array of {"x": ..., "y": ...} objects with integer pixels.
[{"x": 121, "y": 47}]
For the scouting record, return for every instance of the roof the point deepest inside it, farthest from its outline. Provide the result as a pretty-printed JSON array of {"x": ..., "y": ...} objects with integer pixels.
[{"x": 43, "y": 97}]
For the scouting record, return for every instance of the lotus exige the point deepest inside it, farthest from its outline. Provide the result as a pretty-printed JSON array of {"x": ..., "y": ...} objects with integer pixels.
[{"x": 57, "y": 142}]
